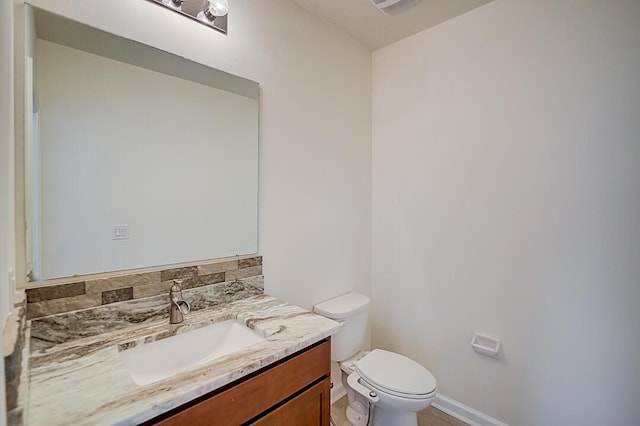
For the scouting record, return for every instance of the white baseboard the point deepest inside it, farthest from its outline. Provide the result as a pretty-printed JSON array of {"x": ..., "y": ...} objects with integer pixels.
[
  {"x": 337, "y": 392},
  {"x": 337, "y": 389},
  {"x": 464, "y": 413}
]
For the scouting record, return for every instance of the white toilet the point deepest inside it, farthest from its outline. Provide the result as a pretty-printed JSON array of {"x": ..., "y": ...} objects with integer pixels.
[{"x": 383, "y": 388}]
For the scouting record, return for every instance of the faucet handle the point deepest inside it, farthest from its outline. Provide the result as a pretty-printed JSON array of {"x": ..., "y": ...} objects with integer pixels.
[
  {"x": 175, "y": 293},
  {"x": 178, "y": 306},
  {"x": 177, "y": 286}
]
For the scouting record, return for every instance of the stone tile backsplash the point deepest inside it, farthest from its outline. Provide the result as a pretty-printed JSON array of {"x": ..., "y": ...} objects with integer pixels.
[
  {"x": 56, "y": 292},
  {"x": 66, "y": 297}
]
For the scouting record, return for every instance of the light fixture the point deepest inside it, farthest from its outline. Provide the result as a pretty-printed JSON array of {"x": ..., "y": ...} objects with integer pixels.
[
  {"x": 216, "y": 9},
  {"x": 212, "y": 13}
]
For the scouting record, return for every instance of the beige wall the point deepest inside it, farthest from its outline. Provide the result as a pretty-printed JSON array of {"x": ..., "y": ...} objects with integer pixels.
[
  {"x": 315, "y": 125},
  {"x": 506, "y": 199}
]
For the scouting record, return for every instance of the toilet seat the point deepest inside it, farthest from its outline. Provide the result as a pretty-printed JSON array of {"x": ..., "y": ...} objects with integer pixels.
[{"x": 396, "y": 374}]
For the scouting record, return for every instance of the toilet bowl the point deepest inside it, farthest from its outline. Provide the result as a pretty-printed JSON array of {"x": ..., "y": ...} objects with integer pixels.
[
  {"x": 401, "y": 388},
  {"x": 384, "y": 388}
]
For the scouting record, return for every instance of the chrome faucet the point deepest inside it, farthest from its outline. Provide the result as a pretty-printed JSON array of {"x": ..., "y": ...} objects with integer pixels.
[{"x": 178, "y": 306}]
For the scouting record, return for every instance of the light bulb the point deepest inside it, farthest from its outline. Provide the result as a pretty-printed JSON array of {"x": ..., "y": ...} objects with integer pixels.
[{"x": 217, "y": 8}]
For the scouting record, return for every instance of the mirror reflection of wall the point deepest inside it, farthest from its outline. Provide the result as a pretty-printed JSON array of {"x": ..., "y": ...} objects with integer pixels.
[{"x": 137, "y": 168}]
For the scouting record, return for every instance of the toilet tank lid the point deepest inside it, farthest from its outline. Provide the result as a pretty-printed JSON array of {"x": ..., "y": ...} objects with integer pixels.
[{"x": 343, "y": 306}]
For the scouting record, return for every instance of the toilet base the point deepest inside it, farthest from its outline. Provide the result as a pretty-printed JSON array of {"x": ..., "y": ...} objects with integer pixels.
[
  {"x": 357, "y": 415},
  {"x": 383, "y": 417}
]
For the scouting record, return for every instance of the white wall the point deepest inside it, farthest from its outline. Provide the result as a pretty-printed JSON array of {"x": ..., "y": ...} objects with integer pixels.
[
  {"x": 506, "y": 199},
  {"x": 6, "y": 178},
  {"x": 6, "y": 160},
  {"x": 174, "y": 160},
  {"x": 315, "y": 127}
]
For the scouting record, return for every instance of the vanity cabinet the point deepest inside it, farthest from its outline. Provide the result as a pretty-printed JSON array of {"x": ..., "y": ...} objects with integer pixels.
[{"x": 294, "y": 391}]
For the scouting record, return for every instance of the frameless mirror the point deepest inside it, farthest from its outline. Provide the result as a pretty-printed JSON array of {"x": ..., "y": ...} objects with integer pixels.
[{"x": 135, "y": 157}]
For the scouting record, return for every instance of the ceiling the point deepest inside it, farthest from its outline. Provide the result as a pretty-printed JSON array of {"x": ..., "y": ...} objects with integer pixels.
[{"x": 362, "y": 20}]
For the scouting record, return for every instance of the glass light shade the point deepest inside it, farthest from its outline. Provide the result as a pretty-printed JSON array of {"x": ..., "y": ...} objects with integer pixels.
[{"x": 218, "y": 7}]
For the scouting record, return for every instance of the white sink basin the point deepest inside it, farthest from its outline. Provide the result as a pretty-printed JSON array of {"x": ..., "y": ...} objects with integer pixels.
[{"x": 158, "y": 360}]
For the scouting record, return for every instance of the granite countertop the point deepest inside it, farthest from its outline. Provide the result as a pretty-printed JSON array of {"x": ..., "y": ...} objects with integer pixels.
[{"x": 76, "y": 375}]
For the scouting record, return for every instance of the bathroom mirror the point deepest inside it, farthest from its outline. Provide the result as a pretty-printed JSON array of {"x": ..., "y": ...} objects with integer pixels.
[{"x": 135, "y": 157}]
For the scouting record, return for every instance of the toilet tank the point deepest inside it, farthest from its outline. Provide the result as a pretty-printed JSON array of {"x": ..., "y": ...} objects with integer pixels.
[{"x": 350, "y": 310}]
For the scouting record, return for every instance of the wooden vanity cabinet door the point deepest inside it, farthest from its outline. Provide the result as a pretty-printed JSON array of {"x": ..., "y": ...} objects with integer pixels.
[
  {"x": 310, "y": 408},
  {"x": 253, "y": 396}
]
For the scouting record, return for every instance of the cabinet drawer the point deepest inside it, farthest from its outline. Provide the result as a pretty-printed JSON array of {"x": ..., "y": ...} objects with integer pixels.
[
  {"x": 255, "y": 395},
  {"x": 310, "y": 408}
]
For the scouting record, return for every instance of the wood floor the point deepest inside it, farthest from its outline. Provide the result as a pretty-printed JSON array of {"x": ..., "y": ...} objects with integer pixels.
[{"x": 429, "y": 417}]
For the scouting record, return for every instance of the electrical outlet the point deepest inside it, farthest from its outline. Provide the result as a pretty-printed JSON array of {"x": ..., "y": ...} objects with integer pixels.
[{"x": 120, "y": 232}]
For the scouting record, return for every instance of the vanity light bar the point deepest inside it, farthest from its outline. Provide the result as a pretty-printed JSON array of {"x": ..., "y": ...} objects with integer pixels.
[{"x": 212, "y": 13}]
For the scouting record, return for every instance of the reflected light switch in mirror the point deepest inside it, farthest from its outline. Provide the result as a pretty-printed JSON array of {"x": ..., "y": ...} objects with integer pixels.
[{"x": 120, "y": 232}]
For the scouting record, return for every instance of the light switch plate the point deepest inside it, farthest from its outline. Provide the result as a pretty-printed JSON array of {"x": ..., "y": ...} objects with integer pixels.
[{"x": 120, "y": 232}]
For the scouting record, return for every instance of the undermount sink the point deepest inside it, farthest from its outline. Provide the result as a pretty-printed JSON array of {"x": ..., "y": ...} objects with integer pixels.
[{"x": 155, "y": 361}]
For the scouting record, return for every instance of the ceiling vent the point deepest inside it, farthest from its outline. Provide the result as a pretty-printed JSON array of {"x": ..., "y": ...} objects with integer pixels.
[{"x": 390, "y": 7}]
